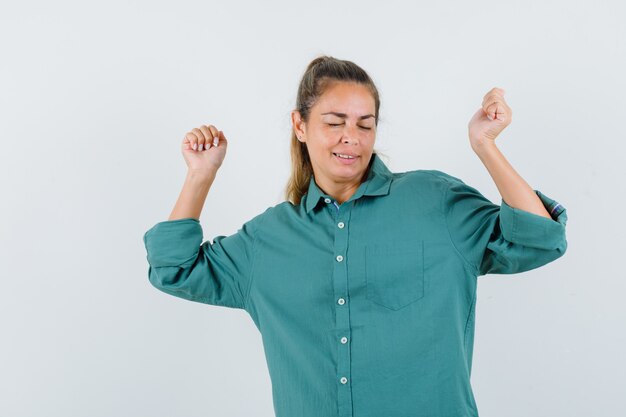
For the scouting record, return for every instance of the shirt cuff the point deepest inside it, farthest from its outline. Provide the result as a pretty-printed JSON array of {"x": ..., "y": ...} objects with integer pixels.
[
  {"x": 532, "y": 230},
  {"x": 173, "y": 242}
]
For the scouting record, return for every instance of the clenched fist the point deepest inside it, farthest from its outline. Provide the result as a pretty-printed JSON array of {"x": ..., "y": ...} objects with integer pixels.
[
  {"x": 490, "y": 119},
  {"x": 204, "y": 149}
]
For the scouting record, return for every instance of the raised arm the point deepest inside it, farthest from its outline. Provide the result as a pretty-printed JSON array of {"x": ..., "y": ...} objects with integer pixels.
[
  {"x": 526, "y": 231},
  {"x": 180, "y": 264},
  {"x": 202, "y": 164},
  {"x": 486, "y": 124}
]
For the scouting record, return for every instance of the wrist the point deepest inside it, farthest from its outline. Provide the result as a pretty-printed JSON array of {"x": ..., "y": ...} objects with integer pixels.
[
  {"x": 484, "y": 146},
  {"x": 201, "y": 177}
]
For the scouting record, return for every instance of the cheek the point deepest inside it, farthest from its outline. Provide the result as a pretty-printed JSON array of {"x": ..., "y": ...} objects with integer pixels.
[
  {"x": 319, "y": 146},
  {"x": 324, "y": 142}
]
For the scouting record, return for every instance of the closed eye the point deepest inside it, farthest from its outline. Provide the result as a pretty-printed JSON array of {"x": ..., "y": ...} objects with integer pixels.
[{"x": 362, "y": 127}]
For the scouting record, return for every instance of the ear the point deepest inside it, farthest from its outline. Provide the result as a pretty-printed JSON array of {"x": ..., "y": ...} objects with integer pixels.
[{"x": 299, "y": 127}]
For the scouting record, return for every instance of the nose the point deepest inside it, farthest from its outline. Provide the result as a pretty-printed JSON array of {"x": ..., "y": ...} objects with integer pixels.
[{"x": 349, "y": 137}]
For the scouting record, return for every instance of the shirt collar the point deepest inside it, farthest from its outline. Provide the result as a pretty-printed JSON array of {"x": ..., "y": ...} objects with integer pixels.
[{"x": 377, "y": 183}]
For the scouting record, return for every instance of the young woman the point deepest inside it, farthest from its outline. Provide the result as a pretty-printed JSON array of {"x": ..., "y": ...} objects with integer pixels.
[{"x": 363, "y": 282}]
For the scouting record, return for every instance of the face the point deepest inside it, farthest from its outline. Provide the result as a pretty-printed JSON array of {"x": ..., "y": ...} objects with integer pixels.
[{"x": 341, "y": 122}]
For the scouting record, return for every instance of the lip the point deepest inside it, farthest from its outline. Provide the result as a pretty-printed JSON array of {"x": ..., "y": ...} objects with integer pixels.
[{"x": 346, "y": 161}]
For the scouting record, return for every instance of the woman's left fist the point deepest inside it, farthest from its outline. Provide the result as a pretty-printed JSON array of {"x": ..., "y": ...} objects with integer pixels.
[{"x": 490, "y": 119}]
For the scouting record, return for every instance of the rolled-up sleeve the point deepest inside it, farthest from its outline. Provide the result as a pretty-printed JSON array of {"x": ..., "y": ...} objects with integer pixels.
[
  {"x": 215, "y": 273},
  {"x": 502, "y": 239}
]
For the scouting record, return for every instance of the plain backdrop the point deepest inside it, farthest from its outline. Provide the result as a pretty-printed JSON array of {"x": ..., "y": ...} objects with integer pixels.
[{"x": 95, "y": 100}]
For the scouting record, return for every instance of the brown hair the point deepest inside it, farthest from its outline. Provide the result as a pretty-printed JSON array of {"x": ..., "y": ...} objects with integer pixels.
[{"x": 319, "y": 75}]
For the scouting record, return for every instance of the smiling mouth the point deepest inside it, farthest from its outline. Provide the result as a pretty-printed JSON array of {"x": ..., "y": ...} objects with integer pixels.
[{"x": 344, "y": 156}]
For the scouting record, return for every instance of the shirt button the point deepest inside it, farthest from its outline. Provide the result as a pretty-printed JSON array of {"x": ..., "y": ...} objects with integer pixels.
[
  {"x": 341, "y": 301},
  {"x": 343, "y": 379},
  {"x": 344, "y": 340},
  {"x": 327, "y": 200},
  {"x": 340, "y": 224},
  {"x": 339, "y": 258}
]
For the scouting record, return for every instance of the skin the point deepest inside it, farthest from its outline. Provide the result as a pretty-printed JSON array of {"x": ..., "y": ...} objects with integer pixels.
[
  {"x": 326, "y": 134},
  {"x": 204, "y": 149},
  {"x": 486, "y": 124}
]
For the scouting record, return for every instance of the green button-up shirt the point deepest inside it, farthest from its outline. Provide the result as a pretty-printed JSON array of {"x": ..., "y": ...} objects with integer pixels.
[{"x": 366, "y": 308}]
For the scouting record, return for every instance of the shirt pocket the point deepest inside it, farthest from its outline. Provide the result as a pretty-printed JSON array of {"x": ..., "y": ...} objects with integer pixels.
[{"x": 394, "y": 273}]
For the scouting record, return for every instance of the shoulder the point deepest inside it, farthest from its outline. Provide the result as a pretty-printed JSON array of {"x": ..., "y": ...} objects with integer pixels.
[
  {"x": 437, "y": 176},
  {"x": 426, "y": 179},
  {"x": 272, "y": 216}
]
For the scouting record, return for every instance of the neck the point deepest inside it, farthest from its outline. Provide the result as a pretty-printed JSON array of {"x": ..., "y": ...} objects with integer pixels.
[{"x": 339, "y": 191}]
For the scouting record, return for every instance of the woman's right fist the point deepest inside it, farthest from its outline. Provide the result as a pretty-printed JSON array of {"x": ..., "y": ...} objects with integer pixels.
[{"x": 204, "y": 149}]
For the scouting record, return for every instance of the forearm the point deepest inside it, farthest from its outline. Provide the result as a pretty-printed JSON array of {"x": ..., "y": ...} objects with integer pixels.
[
  {"x": 193, "y": 195},
  {"x": 512, "y": 187}
]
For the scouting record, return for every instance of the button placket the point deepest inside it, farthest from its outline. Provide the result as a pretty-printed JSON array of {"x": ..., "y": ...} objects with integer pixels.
[{"x": 342, "y": 316}]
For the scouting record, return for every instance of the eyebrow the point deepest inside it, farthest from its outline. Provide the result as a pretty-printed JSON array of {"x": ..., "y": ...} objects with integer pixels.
[{"x": 345, "y": 115}]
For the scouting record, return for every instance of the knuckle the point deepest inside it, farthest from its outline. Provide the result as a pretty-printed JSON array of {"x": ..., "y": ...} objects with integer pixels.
[{"x": 198, "y": 133}]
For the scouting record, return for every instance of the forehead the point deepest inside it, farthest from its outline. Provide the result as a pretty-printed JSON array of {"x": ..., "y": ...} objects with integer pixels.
[{"x": 350, "y": 98}]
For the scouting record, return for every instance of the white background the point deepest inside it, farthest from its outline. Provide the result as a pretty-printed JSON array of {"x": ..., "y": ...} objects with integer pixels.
[{"x": 95, "y": 100}]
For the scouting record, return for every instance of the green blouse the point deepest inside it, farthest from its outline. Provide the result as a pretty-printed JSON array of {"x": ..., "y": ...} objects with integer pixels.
[{"x": 366, "y": 309}]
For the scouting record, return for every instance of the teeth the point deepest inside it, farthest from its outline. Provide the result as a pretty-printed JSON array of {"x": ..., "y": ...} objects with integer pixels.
[{"x": 344, "y": 156}]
